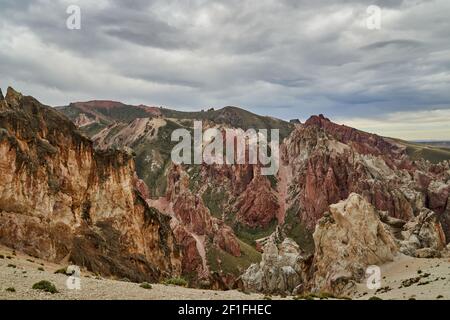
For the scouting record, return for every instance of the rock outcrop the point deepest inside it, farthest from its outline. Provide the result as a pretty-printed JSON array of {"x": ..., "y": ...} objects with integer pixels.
[
  {"x": 347, "y": 240},
  {"x": 282, "y": 268},
  {"x": 59, "y": 198},
  {"x": 423, "y": 236},
  {"x": 258, "y": 204},
  {"x": 362, "y": 142}
]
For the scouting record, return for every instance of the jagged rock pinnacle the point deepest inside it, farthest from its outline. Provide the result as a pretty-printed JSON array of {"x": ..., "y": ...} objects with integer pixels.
[
  {"x": 13, "y": 97},
  {"x": 1, "y": 95}
]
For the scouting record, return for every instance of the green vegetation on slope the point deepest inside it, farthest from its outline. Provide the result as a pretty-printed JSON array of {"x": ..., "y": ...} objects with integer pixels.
[
  {"x": 295, "y": 230},
  {"x": 417, "y": 151},
  {"x": 92, "y": 129},
  {"x": 118, "y": 112},
  {"x": 195, "y": 178},
  {"x": 213, "y": 199},
  {"x": 235, "y": 117},
  {"x": 156, "y": 152},
  {"x": 125, "y": 113},
  {"x": 221, "y": 260},
  {"x": 432, "y": 154},
  {"x": 250, "y": 235}
]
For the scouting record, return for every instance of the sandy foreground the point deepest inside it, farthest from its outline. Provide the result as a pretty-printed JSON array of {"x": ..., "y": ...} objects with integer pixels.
[
  {"x": 411, "y": 278},
  {"x": 20, "y": 272},
  {"x": 430, "y": 280}
]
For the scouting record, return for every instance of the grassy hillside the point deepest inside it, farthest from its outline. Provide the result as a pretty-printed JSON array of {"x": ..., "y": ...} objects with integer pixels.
[
  {"x": 234, "y": 117},
  {"x": 117, "y": 112},
  {"x": 155, "y": 152},
  {"x": 432, "y": 154},
  {"x": 219, "y": 260},
  {"x": 416, "y": 151},
  {"x": 440, "y": 144}
]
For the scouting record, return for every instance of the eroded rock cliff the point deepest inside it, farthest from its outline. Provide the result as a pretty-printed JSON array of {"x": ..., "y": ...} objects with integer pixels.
[{"x": 59, "y": 198}]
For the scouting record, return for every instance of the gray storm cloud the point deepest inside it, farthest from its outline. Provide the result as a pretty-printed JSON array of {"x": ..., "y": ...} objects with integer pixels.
[{"x": 283, "y": 58}]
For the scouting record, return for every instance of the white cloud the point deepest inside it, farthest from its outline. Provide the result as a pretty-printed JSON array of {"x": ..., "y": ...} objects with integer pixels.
[{"x": 426, "y": 125}]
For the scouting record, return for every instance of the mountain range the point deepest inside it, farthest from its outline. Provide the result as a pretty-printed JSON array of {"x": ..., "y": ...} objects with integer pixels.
[{"x": 92, "y": 183}]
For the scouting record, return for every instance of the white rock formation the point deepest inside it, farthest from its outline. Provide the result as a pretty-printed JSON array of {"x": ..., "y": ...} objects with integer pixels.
[
  {"x": 280, "y": 270},
  {"x": 347, "y": 240},
  {"x": 423, "y": 236}
]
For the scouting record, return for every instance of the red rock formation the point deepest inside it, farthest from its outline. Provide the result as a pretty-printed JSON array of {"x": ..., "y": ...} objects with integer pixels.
[
  {"x": 362, "y": 142},
  {"x": 257, "y": 206},
  {"x": 192, "y": 261},
  {"x": 192, "y": 213},
  {"x": 196, "y": 227},
  {"x": 141, "y": 187},
  {"x": 326, "y": 170},
  {"x": 226, "y": 240}
]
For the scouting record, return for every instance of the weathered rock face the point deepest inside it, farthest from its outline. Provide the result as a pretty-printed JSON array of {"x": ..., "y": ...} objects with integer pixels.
[
  {"x": 195, "y": 227},
  {"x": 438, "y": 195},
  {"x": 83, "y": 120},
  {"x": 192, "y": 261},
  {"x": 192, "y": 213},
  {"x": 348, "y": 239},
  {"x": 225, "y": 239},
  {"x": 423, "y": 236},
  {"x": 60, "y": 198},
  {"x": 250, "y": 195},
  {"x": 362, "y": 142},
  {"x": 258, "y": 205},
  {"x": 281, "y": 270}
]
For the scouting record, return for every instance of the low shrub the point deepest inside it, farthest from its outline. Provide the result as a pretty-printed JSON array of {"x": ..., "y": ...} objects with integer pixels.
[
  {"x": 61, "y": 271},
  {"x": 176, "y": 282},
  {"x": 45, "y": 286},
  {"x": 146, "y": 285}
]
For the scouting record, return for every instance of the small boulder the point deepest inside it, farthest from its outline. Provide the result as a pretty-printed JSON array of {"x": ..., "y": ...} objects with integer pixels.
[{"x": 422, "y": 232}]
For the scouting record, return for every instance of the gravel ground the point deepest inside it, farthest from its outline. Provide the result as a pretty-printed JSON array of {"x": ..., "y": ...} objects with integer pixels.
[
  {"x": 411, "y": 278},
  {"x": 26, "y": 273},
  {"x": 19, "y": 271}
]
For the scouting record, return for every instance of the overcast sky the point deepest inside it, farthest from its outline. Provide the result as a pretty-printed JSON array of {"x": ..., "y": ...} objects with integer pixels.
[{"x": 285, "y": 58}]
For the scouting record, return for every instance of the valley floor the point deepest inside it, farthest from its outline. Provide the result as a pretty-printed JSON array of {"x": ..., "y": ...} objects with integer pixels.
[{"x": 403, "y": 278}]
